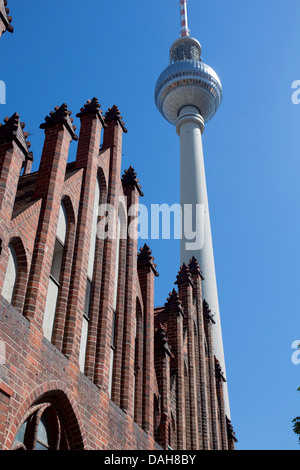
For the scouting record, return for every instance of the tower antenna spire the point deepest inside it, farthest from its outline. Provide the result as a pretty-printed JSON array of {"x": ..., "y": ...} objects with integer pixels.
[{"x": 184, "y": 18}]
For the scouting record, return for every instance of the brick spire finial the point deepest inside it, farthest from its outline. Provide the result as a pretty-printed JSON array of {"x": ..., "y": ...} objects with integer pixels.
[
  {"x": 161, "y": 341},
  {"x": 145, "y": 258},
  {"x": 60, "y": 115},
  {"x": 4, "y": 12},
  {"x": 230, "y": 432},
  {"x": 207, "y": 311},
  {"x": 173, "y": 302},
  {"x": 130, "y": 178},
  {"x": 92, "y": 107},
  {"x": 113, "y": 114},
  {"x": 218, "y": 369},
  {"x": 13, "y": 129},
  {"x": 184, "y": 276},
  {"x": 195, "y": 268}
]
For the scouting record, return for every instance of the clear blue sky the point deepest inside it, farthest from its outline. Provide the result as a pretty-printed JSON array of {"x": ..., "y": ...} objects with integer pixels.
[{"x": 115, "y": 50}]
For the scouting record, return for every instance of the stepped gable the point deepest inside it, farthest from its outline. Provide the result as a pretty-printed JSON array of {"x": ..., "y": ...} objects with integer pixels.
[
  {"x": 4, "y": 12},
  {"x": 60, "y": 115},
  {"x": 195, "y": 268},
  {"x": 25, "y": 192},
  {"x": 184, "y": 276},
  {"x": 92, "y": 107},
  {"x": 145, "y": 258},
  {"x": 113, "y": 114},
  {"x": 13, "y": 130},
  {"x": 130, "y": 178}
]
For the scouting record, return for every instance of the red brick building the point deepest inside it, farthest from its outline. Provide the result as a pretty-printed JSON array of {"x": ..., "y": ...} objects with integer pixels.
[{"x": 86, "y": 361}]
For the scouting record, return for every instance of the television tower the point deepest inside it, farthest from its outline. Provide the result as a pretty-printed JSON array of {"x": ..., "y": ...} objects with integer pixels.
[{"x": 188, "y": 93}]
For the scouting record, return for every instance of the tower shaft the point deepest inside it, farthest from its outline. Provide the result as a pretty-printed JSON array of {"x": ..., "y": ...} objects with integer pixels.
[
  {"x": 196, "y": 219},
  {"x": 188, "y": 93}
]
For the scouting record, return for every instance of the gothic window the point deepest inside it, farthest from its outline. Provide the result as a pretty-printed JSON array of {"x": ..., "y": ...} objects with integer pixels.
[
  {"x": 117, "y": 264},
  {"x": 157, "y": 416},
  {"x": 42, "y": 439},
  {"x": 172, "y": 434},
  {"x": 113, "y": 345},
  {"x": 87, "y": 302},
  {"x": 112, "y": 353},
  {"x": 11, "y": 275},
  {"x": 135, "y": 366},
  {"x": 188, "y": 416},
  {"x": 54, "y": 281},
  {"x": 89, "y": 279},
  {"x": 138, "y": 361},
  {"x": 170, "y": 438},
  {"x": 42, "y": 430}
]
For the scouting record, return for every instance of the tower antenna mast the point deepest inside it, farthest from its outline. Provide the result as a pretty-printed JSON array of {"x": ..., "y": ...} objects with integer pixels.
[{"x": 184, "y": 18}]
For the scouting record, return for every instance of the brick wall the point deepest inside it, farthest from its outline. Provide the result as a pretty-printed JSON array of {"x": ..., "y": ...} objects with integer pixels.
[
  {"x": 166, "y": 384},
  {"x": 35, "y": 369}
]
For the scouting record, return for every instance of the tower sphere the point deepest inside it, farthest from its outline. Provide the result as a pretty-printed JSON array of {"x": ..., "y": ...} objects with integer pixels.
[{"x": 187, "y": 81}]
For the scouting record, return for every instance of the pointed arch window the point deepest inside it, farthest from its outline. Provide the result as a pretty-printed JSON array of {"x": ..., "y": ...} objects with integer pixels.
[
  {"x": 11, "y": 275},
  {"x": 89, "y": 279},
  {"x": 172, "y": 433},
  {"x": 138, "y": 362},
  {"x": 116, "y": 281},
  {"x": 54, "y": 281},
  {"x": 117, "y": 264},
  {"x": 42, "y": 430}
]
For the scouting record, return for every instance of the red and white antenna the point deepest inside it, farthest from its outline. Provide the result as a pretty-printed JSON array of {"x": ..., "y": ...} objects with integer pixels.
[{"x": 184, "y": 18}]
